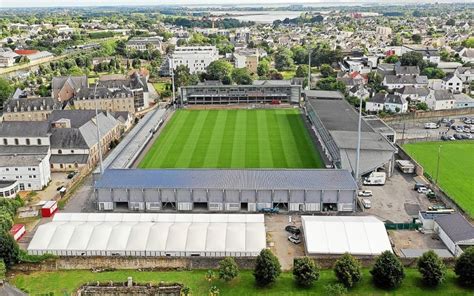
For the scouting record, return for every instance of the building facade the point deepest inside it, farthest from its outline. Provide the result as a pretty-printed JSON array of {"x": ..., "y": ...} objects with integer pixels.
[{"x": 196, "y": 58}]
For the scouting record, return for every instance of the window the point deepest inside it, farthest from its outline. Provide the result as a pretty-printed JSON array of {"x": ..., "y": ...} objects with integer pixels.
[
  {"x": 34, "y": 169},
  {"x": 27, "y": 141},
  {"x": 5, "y": 142},
  {"x": 60, "y": 151},
  {"x": 38, "y": 141},
  {"x": 72, "y": 151},
  {"x": 16, "y": 142}
]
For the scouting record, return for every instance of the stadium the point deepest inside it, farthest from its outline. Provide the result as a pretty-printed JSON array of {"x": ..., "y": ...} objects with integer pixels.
[{"x": 234, "y": 158}]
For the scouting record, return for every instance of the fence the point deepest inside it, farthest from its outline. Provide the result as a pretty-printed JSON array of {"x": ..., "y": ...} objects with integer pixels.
[
  {"x": 423, "y": 115},
  {"x": 402, "y": 226}
]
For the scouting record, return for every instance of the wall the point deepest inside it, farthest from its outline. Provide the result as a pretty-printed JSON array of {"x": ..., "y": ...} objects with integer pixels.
[
  {"x": 142, "y": 263},
  {"x": 422, "y": 115}
]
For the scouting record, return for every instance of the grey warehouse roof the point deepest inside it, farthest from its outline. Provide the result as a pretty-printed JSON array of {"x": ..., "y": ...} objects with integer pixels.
[
  {"x": 311, "y": 179},
  {"x": 456, "y": 227}
]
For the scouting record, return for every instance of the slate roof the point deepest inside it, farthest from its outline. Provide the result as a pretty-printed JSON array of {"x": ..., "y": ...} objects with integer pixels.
[
  {"x": 406, "y": 79},
  {"x": 24, "y": 129},
  {"x": 77, "y": 117},
  {"x": 69, "y": 158},
  {"x": 323, "y": 94},
  {"x": 411, "y": 90},
  {"x": 316, "y": 179},
  {"x": 442, "y": 95},
  {"x": 76, "y": 82},
  {"x": 22, "y": 155},
  {"x": 134, "y": 82},
  {"x": 394, "y": 99},
  {"x": 377, "y": 98},
  {"x": 456, "y": 227},
  {"x": 31, "y": 104},
  {"x": 407, "y": 70}
]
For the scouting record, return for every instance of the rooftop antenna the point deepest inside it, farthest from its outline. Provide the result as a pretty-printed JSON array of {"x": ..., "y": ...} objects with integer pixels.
[{"x": 98, "y": 129}]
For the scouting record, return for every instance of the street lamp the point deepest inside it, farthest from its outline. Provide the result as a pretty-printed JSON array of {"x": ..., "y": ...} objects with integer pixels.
[
  {"x": 310, "y": 51},
  {"x": 172, "y": 78},
  {"x": 358, "y": 141}
]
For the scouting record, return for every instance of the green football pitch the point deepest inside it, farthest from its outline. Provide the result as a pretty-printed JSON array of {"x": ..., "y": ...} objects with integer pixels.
[
  {"x": 234, "y": 139},
  {"x": 456, "y": 168}
]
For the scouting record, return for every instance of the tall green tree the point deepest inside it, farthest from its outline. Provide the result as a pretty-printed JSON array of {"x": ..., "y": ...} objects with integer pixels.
[
  {"x": 267, "y": 268},
  {"x": 326, "y": 70},
  {"x": 431, "y": 268},
  {"x": 283, "y": 59},
  {"x": 300, "y": 54},
  {"x": 242, "y": 76},
  {"x": 228, "y": 269},
  {"x": 305, "y": 271},
  {"x": 220, "y": 70},
  {"x": 387, "y": 272},
  {"x": 6, "y": 89},
  {"x": 263, "y": 68},
  {"x": 9, "y": 250},
  {"x": 302, "y": 71},
  {"x": 412, "y": 58},
  {"x": 348, "y": 270},
  {"x": 464, "y": 267}
]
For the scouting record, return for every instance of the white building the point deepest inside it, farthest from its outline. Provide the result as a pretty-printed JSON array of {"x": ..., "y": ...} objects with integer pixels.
[
  {"x": 384, "y": 31},
  {"x": 452, "y": 83},
  {"x": 440, "y": 100},
  {"x": 455, "y": 232},
  {"x": 144, "y": 43},
  {"x": 7, "y": 58},
  {"x": 387, "y": 102},
  {"x": 197, "y": 58}
]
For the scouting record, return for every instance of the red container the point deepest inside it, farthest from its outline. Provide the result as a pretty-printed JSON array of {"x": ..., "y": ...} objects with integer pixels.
[
  {"x": 49, "y": 209},
  {"x": 18, "y": 231}
]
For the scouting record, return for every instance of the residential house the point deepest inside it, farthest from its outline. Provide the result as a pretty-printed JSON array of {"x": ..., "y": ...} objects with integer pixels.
[
  {"x": 29, "y": 109},
  {"x": 352, "y": 79},
  {"x": 246, "y": 58},
  {"x": 466, "y": 74},
  {"x": 467, "y": 55},
  {"x": 406, "y": 70},
  {"x": 413, "y": 94},
  {"x": 430, "y": 54},
  {"x": 7, "y": 58},
  {"x": 64, "y": 88},
  {"x": 452, "y": 83},
  {"x": 399, "y": 81},
  {"x": 386, "y": 102},
  {"x": 359, "y": 91},
  {"x": 375, "y": 103},
  {"x": 25, "y": 154},
  {"x": 463, "y": 101},
  {"x": 440, "y": 100}
]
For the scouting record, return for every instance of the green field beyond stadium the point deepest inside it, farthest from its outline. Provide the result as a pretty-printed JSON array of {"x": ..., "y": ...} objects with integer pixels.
[
  {"x": 234, "y": 139},
  {"x": 456, "y": 168}
]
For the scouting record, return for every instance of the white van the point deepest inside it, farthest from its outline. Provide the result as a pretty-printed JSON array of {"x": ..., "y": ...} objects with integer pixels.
[{"x": 431, "y": 125}]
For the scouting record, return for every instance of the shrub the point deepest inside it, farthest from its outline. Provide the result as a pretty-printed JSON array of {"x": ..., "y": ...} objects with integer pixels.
[
  {"x": 305, "y": 271},
  {"x": 348, "y": 270},
  {"x": 464, "y": 267},
  {"x": 387, "y": 271},
  {"x": 228, "y": 269},
  {"x": 267, "y": 268},
  {"x": 431, "y": 268},
  {"x": 335, "y": 290},
  {"x": 9, "y": 250},
  {"x": 3, "y": 270}
]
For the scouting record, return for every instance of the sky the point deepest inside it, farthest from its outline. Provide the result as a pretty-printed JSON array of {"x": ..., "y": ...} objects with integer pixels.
[{"x": 56, "y": 3}]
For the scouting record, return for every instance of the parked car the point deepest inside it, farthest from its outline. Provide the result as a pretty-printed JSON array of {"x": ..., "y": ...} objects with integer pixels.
[
  {"x": 366, "y": 203},
  {"x": 444, "y": 120},
  {"x": 71, "y": 175},
  {"x": 59, "y": 188},
  {"x": 452, "y": 138},
  {"x": 444, "y": 138},
  {"x": 423, "y": 190},
  {"x": 293, "y": 229},
  {"x": 466, "y": 136},
  {"x": 419, "y": 185},
  {"x": 458, "y": 136},
  {"x": 294, "y": 239},
  {"x": 431, "y": 195},
  {"x": 459, "y": 129},
  {"x": 365, "y": 193}
]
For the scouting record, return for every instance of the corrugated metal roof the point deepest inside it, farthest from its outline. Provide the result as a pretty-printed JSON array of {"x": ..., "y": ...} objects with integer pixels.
[
  {"x": 311, "y": 179},
  {"x": 456, "y": 227}
]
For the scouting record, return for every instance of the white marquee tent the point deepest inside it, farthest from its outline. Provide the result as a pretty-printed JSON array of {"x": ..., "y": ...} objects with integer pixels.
[
  {"x": 357, "y": 235},
  {"x": 112, "y": 234}
]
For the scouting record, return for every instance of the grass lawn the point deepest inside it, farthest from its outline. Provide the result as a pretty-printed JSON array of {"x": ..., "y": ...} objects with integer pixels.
[
  {"x": 288, "y": 74},
  {"x": 66, "y": 282},
  {"x": 456, "y": 168},
  {"x": 160, "y": 86},
  {"x": 234, "y": 139}
]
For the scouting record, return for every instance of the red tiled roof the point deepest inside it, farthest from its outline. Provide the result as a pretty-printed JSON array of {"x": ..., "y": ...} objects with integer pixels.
[{"x": 26, "y": 51}]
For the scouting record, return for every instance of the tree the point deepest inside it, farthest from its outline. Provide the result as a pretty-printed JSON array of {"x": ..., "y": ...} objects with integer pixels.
[
  {"x": 348, "y": 270},
  {"x": 263, "y": 68},
  {"x": 186, "y": 291},
  {"x": 275, "y": 75},
  {"x": 326, "y": 70},
  {"x": 469, "y": 42},
  {"x": 283, "y": 59},
  {"x": 228, "y": 269},
  {"x": 3, "y": 270},
  {"x": 330, "y": 83},
  {"x": 267, "y": 268},
  {"x": 431, "y": 268},
  {"x": 433, "y": 73},
  {"x": 464, "y": 267},
  {"x": 302, "y": 71},
  {"x": 9, "y": 250},
  {"x": 305, "y": 271},
  {"x": 392, "y": 59},
  {"x": 214, "y": 291},
  {"x": 300, "y": 55},
  {"x": 422, "y": 106},
  {"x": 450, "y": 22},
  {"x": 220, "y": 70},
  {"x": 242, "y": 76},
  {"x": 412, "y": 58},
  {"x": 416, "y": 38},
  {"x": 387, "y": 272},
  {"x": 5, "y": 90}
]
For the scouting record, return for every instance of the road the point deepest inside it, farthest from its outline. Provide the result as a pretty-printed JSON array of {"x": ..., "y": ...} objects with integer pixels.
[{"x": 83, "y": 199}]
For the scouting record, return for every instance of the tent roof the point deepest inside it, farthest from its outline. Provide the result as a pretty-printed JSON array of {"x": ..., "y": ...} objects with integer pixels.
[
  {"x": 151, "y": 232},
  {"x": 337, "y": 235}
]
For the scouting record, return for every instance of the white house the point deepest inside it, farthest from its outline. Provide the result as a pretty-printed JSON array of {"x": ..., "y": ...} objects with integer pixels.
[
  {"x": 440, "y": 100},
  {"x": 466, "y": 74},
  {"x": 7, "y": 58},
  {"x": 376, "y": 103},
  {"x": 197, "y": 58},
  {"x": 411, "y": 93},
  {"x": 467, "y": 55},
  {"x": 395, "y": 104},
  {"x": 359, "y": 91},
  {"x": 452, "y": 83},
  {"x": 399, "y": 81}
]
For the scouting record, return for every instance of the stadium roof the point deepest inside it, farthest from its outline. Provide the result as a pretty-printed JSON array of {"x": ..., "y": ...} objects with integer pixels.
[
  {"x": 316, "y": 179},
  {"x": 73, "y": 234},
  {"x": 337, "y": 235}
]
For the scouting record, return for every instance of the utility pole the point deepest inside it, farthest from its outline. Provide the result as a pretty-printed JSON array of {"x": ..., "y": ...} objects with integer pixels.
[
  {"x": 358, "y": 142},
  {"x": 172, "y": 79},
  {"x": 437, "y": 165},
  {"x": 98, "y": 129},
  {"x": 308, "y": 87}
]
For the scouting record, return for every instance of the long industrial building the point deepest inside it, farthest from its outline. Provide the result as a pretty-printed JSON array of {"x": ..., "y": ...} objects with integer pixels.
[
  {"x": 260, "y": 92},
  {"x": 151, "y": 235},
  {"x": 233, "y": 190},
  {"x": 335, "y": 123}
]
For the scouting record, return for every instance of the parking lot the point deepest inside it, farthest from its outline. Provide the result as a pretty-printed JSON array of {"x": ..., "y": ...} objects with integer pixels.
[
  {"x": 277, "y": 238},
  {"x": 416, "y": 129},
  {"x": 396, "y": 201}
]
